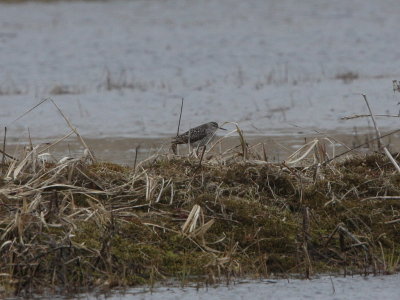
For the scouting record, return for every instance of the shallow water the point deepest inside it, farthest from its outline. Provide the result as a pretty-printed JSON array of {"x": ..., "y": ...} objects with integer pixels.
[
  {"x": 323, "y": 288},
  {"x": 120, "y": 68}
]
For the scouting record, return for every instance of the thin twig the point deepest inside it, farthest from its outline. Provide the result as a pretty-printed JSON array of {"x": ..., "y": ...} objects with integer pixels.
[
  {"x": 3, "y": 161},
  {"x": 306, "y": 237},
  {"x": 180, "y": 116},
  {"x": 378, "y": 134},
  {"x": 136, "y": 155},
  {"x": 202, "y": 155},
  {"x": 359, "y": 146},
  {"x": 381, "y": 198},
  {"x": 365, "y": 116},
  {"x": 74, "y": 130},
  {"x": 27, "y": 112},
  {"x": 326, "y": 134},
  {"x": 343, "y": 229},
  {"x": 265, "y": 157},
  {"x": 392, "y": 221},
  {"x": 379, "y": 137},
  {"x": 8, "y": 155},
  {"x": 56, "y": 142},
  {"x": 30, "y": 140}
]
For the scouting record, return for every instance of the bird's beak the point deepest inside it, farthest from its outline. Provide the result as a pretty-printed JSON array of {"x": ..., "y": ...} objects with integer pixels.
[{"x": 222, "y": 128}]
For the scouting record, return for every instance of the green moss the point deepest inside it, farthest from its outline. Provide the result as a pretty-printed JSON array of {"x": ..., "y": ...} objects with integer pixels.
[{"x": 111, "y": 231}]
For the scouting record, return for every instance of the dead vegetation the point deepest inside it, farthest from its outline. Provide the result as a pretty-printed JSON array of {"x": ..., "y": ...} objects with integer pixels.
[
  {"x": 79, "y": 224},
  {"x": 59, "y": 89},
  {"x": 347, "y": 77}
]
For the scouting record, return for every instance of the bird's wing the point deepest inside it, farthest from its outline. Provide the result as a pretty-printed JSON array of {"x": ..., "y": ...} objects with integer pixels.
[
  {"x": 193, "y": 135},
  {"x": 181, "y": 139},
  {"x": 197, "y": 134}
]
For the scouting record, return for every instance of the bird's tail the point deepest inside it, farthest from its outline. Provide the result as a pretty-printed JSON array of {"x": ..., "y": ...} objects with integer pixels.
[
  {"x": 174, "y": 141},
  {"x": 178, "y": 140}
]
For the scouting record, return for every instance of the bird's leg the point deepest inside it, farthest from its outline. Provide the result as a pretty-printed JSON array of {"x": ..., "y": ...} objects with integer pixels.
[
  {"x": 189, "y": 144},
  {"x": 192, "y": 150},
  {"x": 202, "y": 154},
  {"x": 197, "y": 151},
  {"x": 174, "y": 148}
]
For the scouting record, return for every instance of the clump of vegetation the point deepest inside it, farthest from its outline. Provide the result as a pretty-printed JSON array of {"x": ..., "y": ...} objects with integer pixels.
[
  {"x": 79, "y": 224},
  {"x": 347, "y": 77}
]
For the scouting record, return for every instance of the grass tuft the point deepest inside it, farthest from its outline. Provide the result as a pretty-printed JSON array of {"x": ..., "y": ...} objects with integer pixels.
[{"x": 80, "y": 224}]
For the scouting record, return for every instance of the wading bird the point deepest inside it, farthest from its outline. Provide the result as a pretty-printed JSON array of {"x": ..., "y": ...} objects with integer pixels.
[{"x": 198, "y": 136}]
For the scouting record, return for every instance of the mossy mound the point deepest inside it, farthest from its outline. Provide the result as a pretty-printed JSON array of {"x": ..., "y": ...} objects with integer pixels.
[{"x": 76, "y": 226}]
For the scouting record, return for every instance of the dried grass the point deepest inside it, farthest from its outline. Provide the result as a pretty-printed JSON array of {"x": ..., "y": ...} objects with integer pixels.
[{"x": 78, "y": 224}]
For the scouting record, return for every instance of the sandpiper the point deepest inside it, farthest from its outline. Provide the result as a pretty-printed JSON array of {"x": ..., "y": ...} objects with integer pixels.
[{"x": 197, "y": 136}]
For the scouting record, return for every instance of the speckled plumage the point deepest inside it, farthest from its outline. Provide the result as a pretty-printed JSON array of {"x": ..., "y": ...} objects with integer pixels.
[{"x": 198, "y": 135}]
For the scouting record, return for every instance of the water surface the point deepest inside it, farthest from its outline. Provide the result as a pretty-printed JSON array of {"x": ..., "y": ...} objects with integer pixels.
[
  {"x": 120, "y": 68},
  {"x": 322, "y": 288}
]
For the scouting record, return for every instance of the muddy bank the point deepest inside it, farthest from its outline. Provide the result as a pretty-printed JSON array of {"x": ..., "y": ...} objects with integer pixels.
[{"x": 277, "y": 148}]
